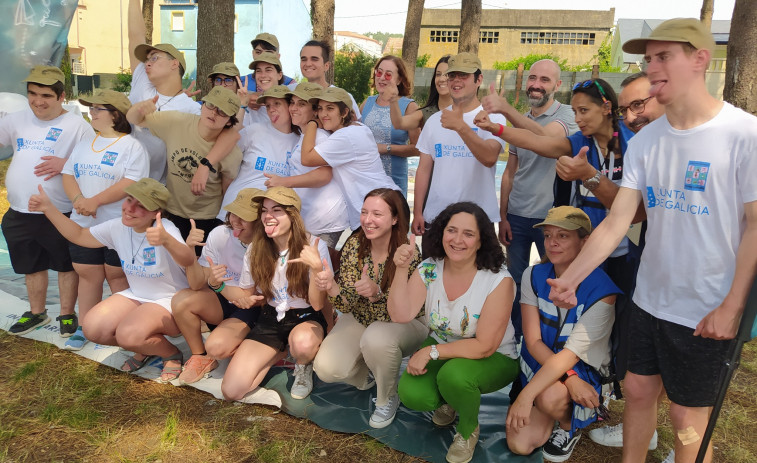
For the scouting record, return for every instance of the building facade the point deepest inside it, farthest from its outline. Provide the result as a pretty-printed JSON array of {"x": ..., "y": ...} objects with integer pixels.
[
  {"x": 573, "y": 35},
  {"x": 357, "y": 42}
]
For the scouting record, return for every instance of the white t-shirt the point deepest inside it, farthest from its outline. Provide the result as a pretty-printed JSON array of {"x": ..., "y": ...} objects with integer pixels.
[
  {"x": 32, "y": 138},
  {"x": 142, "y": 89},
  {"x": 150, "y": 270},
  {"x": 95, "y": 172},
  {"x": 694, "y": 185},
  {"x": 458, "y": 175},
  {"x": 353, "y": 154},
  {"x": 256, "y": 116},
  {"x": 265, "y": 150},
  {"x": 223, "y": 248},
  {"x": 282, "y": 300},
  {"x": 454, "y": 320},
  {"x": 324, "y": 209}
]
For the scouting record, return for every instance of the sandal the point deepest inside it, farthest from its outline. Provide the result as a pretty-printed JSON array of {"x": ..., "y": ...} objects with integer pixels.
[
  {"x": 169, "y": 372},
  {"x": 131, "y": 364}
]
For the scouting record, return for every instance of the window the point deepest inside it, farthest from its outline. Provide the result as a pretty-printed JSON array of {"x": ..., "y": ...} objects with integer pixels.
[
  {"x": 555, "y": 38},
  {"x": 177, "y": 20},
  {"x": 489, "y": 37},
  {"x": 443, "y": 36}
]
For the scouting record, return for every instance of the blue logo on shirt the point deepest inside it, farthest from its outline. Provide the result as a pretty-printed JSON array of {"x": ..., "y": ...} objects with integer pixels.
[
  {"x": 53, "y": 134},
  {"x": 260, "y": 163},
  {"x": 109, "y": 158},
  {"x": 438, "y": 148},
  {"x": 19, "y": 143},
  {"x": 148, "y": 255},
  {"x": 696, "y": 175}
]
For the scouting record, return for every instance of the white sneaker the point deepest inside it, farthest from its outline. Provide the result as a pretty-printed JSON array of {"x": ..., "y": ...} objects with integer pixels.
[
  {"x": 444, "y": 415},
  {"x": 303, "y": 381},
  {"x": 461, "y": 450},
  {"x": 612, "y": 436},
  {"x": 671, "y": 458},
  {"x": 384, "y": 415}
]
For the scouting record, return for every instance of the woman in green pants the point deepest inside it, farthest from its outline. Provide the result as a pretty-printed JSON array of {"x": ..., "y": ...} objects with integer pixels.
[{"x": 468, "y": 296}]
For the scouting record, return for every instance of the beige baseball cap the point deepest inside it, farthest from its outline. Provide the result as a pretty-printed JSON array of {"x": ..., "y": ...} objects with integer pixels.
[
  {"x": 141, "y": 52},
  {"x": 568, "y": 218},
  {"x": 684, "y": 30},
  {"x": 266, "y": 57},
  {"x": 224, "y": 99},
  {"x": 277, "y": 91},
  {"x": 116, "y": 99},
  {"x": 282, "y": 195},
  {"x": 464, "y": 62},
  {"x": 243, "y": 205},
  {"x": 150, "y": 193},
  {"x": 307, "y": 91},
  {"x": 334, "y": 94},
  {"x": 227, "y": 69},
  {"x": 45, "y": 75},
  {"x": 265, "y": 37}
]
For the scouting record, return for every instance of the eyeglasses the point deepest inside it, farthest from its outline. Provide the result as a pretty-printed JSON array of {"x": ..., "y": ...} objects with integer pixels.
[
  {"x": 156, "y": 57},
  {"x": 386, "y": 75},
  {"x": 588, "y": 83},
  {"x": 94, "y": 110},
  {"x": 215, "y": 108},
  {"x": 224, "y": 81},
  {"x": 457, "y": 75},
  {"x": 636, "y": 107},
  {"x": 602, "y": 412}
]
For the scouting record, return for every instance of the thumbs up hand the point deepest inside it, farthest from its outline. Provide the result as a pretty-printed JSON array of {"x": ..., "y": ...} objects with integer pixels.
[
  {"x": 217, "y": 272},
  {"x": 325, "y": 278},
  {"x": 157, "y": 235},
  {"x": 576, "y": 167},
  {"x": 195, "y": 236},
  {"x": 404, "y": 254},
  {"x": 495, "y": 103},
  {"x": 453, "y": 119},
  {"x": 365, "y": 286}
]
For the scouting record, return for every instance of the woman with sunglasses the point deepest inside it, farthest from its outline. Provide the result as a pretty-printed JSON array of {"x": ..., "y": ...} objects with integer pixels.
[
  {"x": 565, "y": 355},
  {"x": 390, "y": 73},
  {"x": 438, "y": 98},
  {"x": 94, "y": 179},
  {"x": 188, "y": 139}
]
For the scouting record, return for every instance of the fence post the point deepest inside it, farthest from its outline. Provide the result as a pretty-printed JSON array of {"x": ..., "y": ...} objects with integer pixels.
[{"x": 518, "y": 83}]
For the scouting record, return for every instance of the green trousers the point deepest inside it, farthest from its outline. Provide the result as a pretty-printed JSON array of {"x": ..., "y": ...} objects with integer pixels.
[{"x": 458, "y": 382}]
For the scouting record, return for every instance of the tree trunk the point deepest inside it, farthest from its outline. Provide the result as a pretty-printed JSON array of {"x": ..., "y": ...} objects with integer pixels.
[
  {"x": 322, "y": 14},
  {"x": 147, "y": 9},
  {"x": 411, "y": 40},
  {"x": 741, "y": 65},
  {"x": 215, "y": 43},
  {"x": 470, "y": 26},
  {"x": 705, "y": 15}
]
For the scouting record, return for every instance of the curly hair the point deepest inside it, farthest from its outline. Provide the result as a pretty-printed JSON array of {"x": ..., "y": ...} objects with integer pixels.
[
  {"x": 401, "y": 211},
  {"x": 489, "y": 256}
]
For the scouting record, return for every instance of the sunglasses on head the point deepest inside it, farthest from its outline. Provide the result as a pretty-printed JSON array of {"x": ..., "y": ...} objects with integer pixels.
[{"x": 589, "y": 83}]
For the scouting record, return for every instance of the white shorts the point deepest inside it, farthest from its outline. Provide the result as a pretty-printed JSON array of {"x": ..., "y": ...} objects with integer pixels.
[{"x": 164, "y": 302}]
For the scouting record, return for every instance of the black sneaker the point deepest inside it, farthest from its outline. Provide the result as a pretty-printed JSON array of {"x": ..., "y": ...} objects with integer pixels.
[
  {"x": 68, "y": 325},
  {"x": 560, "y": 446},
  {"x": 28, "y": 322}
]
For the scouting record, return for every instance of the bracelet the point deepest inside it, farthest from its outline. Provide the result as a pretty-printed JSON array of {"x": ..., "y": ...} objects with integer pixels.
[
  {"x": 77, "y": 197},
  {"x": 214, "y": 287},
  {"x": 501, "y": 129},
  {"x": 220, "y": 288}
]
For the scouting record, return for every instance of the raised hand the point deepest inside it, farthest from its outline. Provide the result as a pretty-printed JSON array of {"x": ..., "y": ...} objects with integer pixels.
[
  {"x": 325, "y": 278},
  {"x": 495, "y": 103},
  {"x": 190, "y": 91},
  {"x": 310, "y": 257},
  {"x": 157, "y": 235},
  {"x": 482, "y": 121},
  {"x": 391, "y": 92},
  {"x": 143, "y": 108},
  {"x": 40, "y": 202},
  {"x": 242, "y": 93},
  {"x": 453, "y": 119},
  {"x": 405, "y": 253},
  {"x": 365, "y": 286},
  {"x": 217, "y": 272},
  {"x": 195, "y": 236},
  {"x": 577, "y": 167}
]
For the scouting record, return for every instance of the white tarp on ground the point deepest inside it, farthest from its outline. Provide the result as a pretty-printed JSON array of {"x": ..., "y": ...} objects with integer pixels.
[{"x": 12, "y": 307}]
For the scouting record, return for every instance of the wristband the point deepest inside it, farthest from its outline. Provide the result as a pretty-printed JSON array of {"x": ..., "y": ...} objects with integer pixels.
[
  {"x": 76, "y": 197},
  {"x": 213, "y": 287},
  {"x": 220, "y": 288},
  {"x": 567, "y": 375},
  {"x": 243, "y": 107},
  {"x": 501, "y": 129}
]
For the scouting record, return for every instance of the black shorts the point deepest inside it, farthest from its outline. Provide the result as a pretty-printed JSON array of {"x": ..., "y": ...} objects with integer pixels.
[
  {"x": 93, "y": 256},
  {"x": 622, "y": 271},
  {"x": 275, "y": 333},
  {"x": 34, "y": 244},
  {"x": 690, "y": 366},
  {"x": 249, "y": 316},
  {"x": 184, "y": 226}
]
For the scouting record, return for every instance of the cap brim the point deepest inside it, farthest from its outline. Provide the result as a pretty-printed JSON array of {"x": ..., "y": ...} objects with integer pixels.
[
  {"x": 639, "y": 46},
  {"x": 563, "y": 225},
  {"x": 141, "y": 51}
]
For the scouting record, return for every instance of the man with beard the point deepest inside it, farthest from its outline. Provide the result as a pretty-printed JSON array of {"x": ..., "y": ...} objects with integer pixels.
[
  {"x": 526, "y": 193},
  {"x": 635, "y": 105}
]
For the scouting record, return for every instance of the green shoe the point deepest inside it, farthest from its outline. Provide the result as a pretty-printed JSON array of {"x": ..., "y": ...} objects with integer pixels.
[
  {"x": 68, "y": 324},
  {"x": 28, "y": 322}
]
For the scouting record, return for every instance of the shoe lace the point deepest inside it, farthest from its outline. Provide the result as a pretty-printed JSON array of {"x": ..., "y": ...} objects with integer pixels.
[
  {"x": 386, "y": 409},
  {"x": 300, "y": 378},
  {"x": 460, "y": 441},
  {"x": 560, "y": 438}
]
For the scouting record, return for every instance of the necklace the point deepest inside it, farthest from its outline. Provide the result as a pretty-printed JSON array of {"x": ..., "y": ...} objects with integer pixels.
[
  {"x": 134, "y": 254},
  {"x": 283, "y": 256},
  {"x": 100, "y": 151},
  {"x": 169, "y": 100}
]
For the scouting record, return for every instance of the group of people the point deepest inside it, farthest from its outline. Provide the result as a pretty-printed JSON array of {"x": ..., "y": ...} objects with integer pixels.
[{"x": 232, "y": 210}]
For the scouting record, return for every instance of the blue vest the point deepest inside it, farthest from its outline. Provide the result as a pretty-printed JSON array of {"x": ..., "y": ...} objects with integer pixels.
[{"x": 555, "y": 331}]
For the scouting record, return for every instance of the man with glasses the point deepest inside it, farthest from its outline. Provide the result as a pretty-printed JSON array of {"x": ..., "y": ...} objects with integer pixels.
[
  {"x": 636, "y": 106},
  {"x": 463, "y": 158},
  {"x": 693, "y": 172}
]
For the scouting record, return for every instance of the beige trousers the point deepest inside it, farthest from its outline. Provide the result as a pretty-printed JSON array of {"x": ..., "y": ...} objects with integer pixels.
[{"x": 351, "y": 350}]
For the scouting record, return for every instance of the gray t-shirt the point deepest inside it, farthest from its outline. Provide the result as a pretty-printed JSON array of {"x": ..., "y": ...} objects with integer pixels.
[{"x": 532, "y": 194}]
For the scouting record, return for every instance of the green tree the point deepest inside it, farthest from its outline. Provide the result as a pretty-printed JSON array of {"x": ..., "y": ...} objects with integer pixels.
[
  {"x": 382, "y": 37},
  {"x": 352, "y": 72},
  {"x": 527, "y": 61},
  {"x": 422, "y": 60},
  {"x": 122, "y": 81},
  {"x": 65, "y": 66}
]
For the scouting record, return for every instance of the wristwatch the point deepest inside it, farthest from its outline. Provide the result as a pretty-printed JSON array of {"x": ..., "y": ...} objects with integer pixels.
[
  {"x": 206, "y": 163},
  {"x": 592, "y": 183},
  {"x": 388, "y": 149},
  {"x": 434, "y": 352}
]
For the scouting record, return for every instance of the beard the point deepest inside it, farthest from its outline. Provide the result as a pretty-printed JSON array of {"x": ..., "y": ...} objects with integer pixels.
[
  {"x": 536, "y": 101},
  {"x": 637, "y": 124}
]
